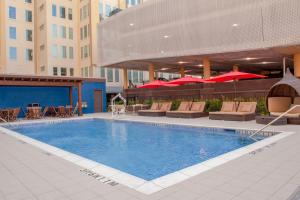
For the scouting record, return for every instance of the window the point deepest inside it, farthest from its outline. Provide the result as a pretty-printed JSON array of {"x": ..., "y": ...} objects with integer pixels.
[
  {"x": 102, "y": 72},
  {"x": 55, "y": 71},
  {"x": 62, "y": 12},
  {"x": 28, "y": 16},
  {"x": 54, "y": 51},
  {"x": 63, "y": 71},
  {"x": 42, "y": 47},
  {"x": 71, "y": 52},
  {"x": 12, "y": 53},
  {"x": 12, "y": 12},
  {"x": 12, "y": 32},
  {"x": 28, "y": 35},
  {"x": 28, "y": 55},
  {"x": 109, "y": 75},
  {"x": 54, "y": 10},
  {"x": 86, "y": 71},
  {"x": 117, "y": 75},
  {"x": 43, "y": 68},
  {"x": 70, "y": 14},
  {"x": 86, "y": 51},
  {"x": 71, "y": 71},
  {"x": 129, "y": 75},
  {"x": 85, "y": 31},
  {"x": 107, "y": 10},
  {"x": 71, "y": 33},
  {"x": 85, "y": 12},
  {"x": 141, "y": 76},
  {"x": 81, "y": 33},
  {"x": 63, "y": 51},
  {"x": 135, "y": 76},
  {"x": 54, "y": 30},
  {"x": 28, "y": 1},
  {"x": 63, "y": 32},
  {"x": 81, "y": 52}
]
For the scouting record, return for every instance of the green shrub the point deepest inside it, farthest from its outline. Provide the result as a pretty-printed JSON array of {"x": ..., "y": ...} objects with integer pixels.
[
  {"x": 175, "y": 104},
  {"x": 148, "y": 102},
  {"x": 262, "y": 107},
  {"x": 213, "y": 105}
]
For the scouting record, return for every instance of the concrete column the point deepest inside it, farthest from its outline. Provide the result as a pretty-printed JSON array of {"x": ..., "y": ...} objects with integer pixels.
[
  {"x": 125, "y": 79},
  {"x": 297, "y": 65},
  {"x": 206, "y": 68},
  {"x": 235, "y": 68},
  {"x": 182, "y": 72},
  {"x": 151, "y": 72}
]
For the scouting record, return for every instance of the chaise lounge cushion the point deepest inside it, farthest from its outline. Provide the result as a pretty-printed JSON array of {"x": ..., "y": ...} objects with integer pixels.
[
  {"x": 248, "y": 107},
  {"x": 198, "y": 107},
  {"x": 184, "y": 106},
  {"x": 279, "y": 104},
  {"x": 155, "y": 106},
  {"x": 229, "y": 106}
]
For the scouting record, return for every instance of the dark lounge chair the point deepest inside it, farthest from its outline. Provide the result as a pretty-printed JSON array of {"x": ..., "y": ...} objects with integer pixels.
[{"x": 156, "y": 110}]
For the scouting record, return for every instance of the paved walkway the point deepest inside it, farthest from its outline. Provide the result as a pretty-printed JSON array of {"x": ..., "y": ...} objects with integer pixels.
[{"x": 28, "y": 173}]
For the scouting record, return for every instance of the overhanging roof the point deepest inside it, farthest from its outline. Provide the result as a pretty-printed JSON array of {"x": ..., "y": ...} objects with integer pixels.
[{"x": 45, "y": 81}]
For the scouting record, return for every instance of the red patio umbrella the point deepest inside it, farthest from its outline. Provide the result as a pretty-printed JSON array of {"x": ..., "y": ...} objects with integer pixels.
[
  {"x": 188, "y": 79},
  {"x": 234, "y": 76},
  {"x": 157, "y": 84}
]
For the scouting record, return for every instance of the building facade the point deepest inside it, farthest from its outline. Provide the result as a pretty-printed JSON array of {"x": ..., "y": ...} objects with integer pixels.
[{"x": 56, "y": 38}]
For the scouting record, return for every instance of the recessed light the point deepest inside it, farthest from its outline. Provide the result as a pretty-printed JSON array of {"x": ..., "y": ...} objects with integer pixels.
[
  {"x": 162, "y": 52},
  {"x": 200, "y": 65},
  {"x": 166, "y": 36},
  {"x": 164, "y": 69},
  {"x": 131, "y": 24},
  {"x": 182, "y": 62},
  {"x": 235, "y": 25}
]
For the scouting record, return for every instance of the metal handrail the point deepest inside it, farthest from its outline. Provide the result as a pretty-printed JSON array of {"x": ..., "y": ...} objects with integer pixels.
[{"x": 273, "y": 121}]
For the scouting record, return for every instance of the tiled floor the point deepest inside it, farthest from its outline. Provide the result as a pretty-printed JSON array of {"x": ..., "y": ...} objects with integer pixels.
[{"x": 28, "y": 173}]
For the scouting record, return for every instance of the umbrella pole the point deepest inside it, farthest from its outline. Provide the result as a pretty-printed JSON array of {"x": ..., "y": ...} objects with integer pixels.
[{"x": 234, "y": 84}]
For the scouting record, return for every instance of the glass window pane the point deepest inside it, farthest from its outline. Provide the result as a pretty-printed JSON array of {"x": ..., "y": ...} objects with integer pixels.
[
  {"x": 117, "y": 75},
  {"x": 12, "y": 12},
  {"x": 28, "y": 35},
  {"x": 54, "y": 30},
  {"x": 71, "y": 52},
  {"x": 54, "y": 10},
  {"x": 28, "y": 15},
  {"x": 109, "y": 75},
  {"x": 12, "y": 53},
  {"x": 12, "y": 32}
]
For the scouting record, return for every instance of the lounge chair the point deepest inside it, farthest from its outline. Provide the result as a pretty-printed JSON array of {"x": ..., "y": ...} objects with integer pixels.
[
  {"x": 156, "y": 110},
  {"x": 279, "y": 105},
  {"x": 189, "y": 110},
  {"x": 245, "y": 112}
]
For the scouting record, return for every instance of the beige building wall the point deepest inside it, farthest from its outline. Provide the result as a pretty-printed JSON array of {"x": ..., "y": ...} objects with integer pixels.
[
  {"x": 85, "y": 18},
  {"x": 19, "y": 65}
]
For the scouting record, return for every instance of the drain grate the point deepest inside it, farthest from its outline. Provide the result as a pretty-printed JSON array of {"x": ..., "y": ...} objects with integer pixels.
[{"x": 295, "y": 195}]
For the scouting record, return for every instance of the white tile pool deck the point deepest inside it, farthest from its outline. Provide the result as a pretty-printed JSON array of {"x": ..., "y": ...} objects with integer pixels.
[{"x": 27, "y": 172}]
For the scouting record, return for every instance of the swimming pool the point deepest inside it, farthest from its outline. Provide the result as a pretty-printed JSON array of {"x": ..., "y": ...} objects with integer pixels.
[{"x": 147, "y": 151}]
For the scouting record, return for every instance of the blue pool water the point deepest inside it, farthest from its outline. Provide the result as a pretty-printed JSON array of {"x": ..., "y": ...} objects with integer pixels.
[{"x": 144, "y": 150}]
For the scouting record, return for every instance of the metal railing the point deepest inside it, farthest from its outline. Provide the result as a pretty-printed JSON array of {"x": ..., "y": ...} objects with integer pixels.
[{"x": 273, "y": 121}]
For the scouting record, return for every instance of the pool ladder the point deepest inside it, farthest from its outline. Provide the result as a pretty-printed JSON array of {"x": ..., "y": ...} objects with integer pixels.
[
  {"x": 113, "y": 105},
  {"x": 272, "y": 122}
]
